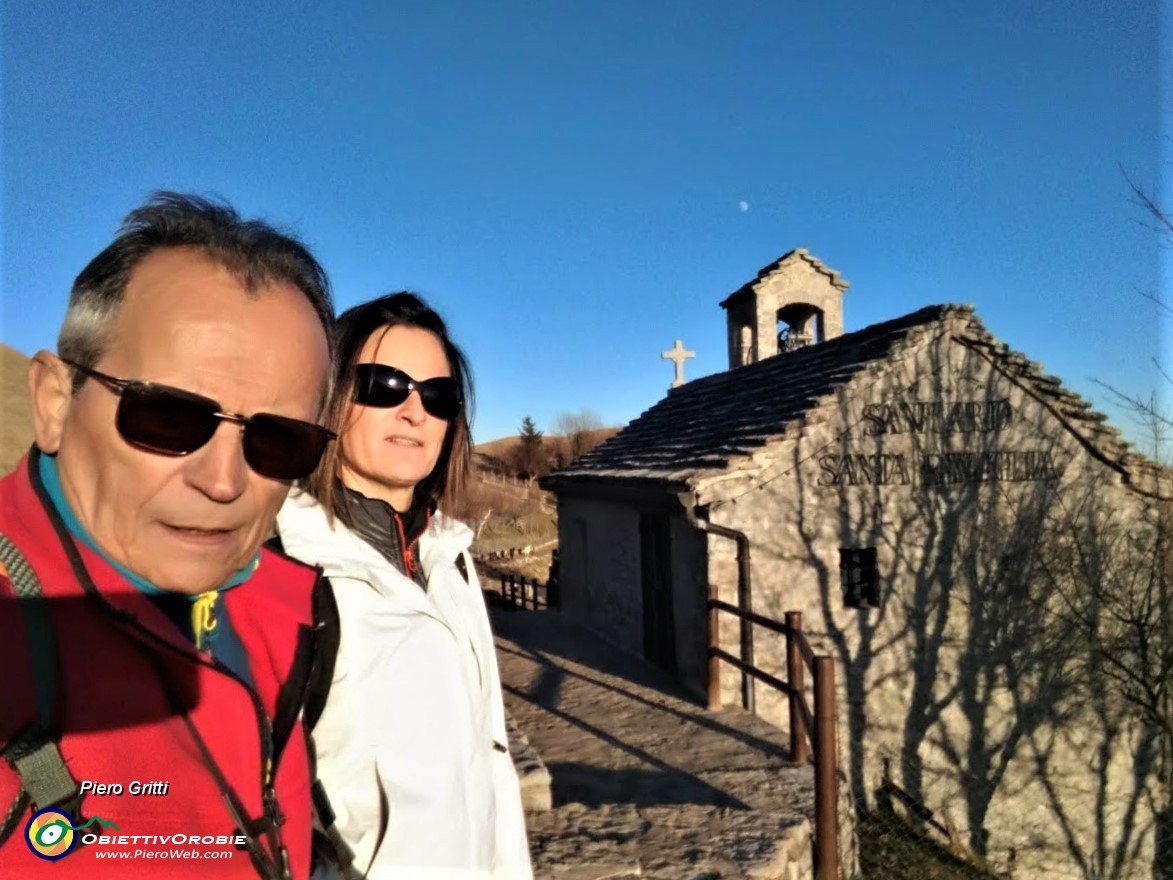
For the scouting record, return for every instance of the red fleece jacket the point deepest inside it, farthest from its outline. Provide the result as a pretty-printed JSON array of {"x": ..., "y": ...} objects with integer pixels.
[{"x": 115, "y": 651}]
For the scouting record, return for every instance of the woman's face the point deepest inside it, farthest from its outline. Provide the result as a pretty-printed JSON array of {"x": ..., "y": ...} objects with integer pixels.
[{"x": 385, "y": 452}]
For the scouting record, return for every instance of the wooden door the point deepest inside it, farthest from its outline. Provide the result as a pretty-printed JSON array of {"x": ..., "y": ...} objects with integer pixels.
[{"x": 656, "y": 568}]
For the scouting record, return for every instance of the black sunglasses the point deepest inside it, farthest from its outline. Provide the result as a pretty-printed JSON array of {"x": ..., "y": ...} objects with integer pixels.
[
  {"x": 171, "y": 421},
  {"x": 384, "y": 386}
]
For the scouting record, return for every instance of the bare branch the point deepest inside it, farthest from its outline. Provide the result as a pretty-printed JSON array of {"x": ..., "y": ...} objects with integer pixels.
[{"x": 1161, "y": 222}]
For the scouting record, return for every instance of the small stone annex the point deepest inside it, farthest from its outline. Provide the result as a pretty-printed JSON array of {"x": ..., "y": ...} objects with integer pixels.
[{"x": 954, "y": 526}]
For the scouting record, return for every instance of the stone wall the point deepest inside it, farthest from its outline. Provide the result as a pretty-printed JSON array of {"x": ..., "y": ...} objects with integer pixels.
[
  {"x": 599, "y": 577},
  {"x": 752, "y": 316},
  {"x": 690, "y": 590},
  {"x": 796, "y": 281},
  {"x": 954, "y": 688}
]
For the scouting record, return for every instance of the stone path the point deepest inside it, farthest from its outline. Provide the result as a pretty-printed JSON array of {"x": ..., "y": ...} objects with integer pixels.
[{"x": 646, "y": 782}]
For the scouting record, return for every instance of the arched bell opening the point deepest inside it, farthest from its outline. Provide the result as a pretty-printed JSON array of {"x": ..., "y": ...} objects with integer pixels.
[{"x": 799, "y": 325}]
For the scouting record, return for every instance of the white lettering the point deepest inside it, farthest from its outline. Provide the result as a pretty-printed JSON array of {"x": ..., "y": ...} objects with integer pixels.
[{"x": 99, "y": 788}]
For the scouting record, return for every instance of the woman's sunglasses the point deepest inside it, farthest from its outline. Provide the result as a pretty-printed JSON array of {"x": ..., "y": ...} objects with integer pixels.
[
  {"x": 171, "y": 421},
  {"x": 384, "y": 386}
]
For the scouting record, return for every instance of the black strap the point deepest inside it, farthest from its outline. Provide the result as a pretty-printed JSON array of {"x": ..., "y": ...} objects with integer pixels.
[
  {"x": 33, "y": 752},
  {"x": 292, "y": 696},
  {"x": 462, "y": 567},
  {"x": 328, "y": 844},
  {"x": 15, "y": 812},
  {"x": 327, "y": 635},
  {"x": 35, "y": 756}
]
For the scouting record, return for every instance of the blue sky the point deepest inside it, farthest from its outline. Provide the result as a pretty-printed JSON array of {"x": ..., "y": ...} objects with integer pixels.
[{"x": 566, "y": 181}]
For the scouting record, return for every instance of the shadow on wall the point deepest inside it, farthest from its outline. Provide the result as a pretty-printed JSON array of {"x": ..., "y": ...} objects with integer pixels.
[
  {"x": 1022, "y": 621},
  {"x": 1163, "y": 868}
]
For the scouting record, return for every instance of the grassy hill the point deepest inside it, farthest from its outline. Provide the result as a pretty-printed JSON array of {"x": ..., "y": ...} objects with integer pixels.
[
  {"x": 16, "y": 420},
  {"x": 509, "y": 513},
  {"x": 500, "y": 456}
]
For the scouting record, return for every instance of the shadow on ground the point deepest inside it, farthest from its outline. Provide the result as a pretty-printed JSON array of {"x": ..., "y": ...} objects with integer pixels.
[
  {"x": 591, "y": 786},
  {"x": 565, "y": 652},
  {"x": 645, "y": 780}
]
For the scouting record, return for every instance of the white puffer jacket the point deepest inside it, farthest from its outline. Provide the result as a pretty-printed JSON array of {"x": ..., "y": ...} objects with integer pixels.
[{"x": 415, "y": 711}]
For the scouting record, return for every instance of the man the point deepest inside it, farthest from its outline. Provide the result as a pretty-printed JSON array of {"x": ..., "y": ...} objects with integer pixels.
[{"x": 164, "y": 663}]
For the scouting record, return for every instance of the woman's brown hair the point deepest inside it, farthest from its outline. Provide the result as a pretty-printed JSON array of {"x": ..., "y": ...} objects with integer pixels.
[{"x": 446, "y": 485}]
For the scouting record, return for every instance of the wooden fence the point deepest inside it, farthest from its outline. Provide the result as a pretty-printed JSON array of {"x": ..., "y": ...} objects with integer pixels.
[
  {"x": 520, "y": 594},
  {"x": 809, "y": 731}
]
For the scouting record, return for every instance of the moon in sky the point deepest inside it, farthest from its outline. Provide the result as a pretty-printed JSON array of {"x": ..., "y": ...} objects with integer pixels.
[{"x": 743, "y": 206}]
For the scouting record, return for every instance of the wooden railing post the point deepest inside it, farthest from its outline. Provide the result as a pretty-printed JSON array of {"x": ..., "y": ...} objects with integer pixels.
[
  {"x": 826, "y": 773},
  {"x": 714, "y": 660},
  {"x": 823, "y": 717},
  {"x": 794, "y": 678}
]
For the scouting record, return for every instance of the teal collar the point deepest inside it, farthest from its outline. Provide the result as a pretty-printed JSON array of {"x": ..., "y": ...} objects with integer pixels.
[{"x": 47, "y": 467}]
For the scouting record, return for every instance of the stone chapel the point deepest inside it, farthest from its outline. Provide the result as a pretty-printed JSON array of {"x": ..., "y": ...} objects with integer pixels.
[{"x": 939, "y": 509}]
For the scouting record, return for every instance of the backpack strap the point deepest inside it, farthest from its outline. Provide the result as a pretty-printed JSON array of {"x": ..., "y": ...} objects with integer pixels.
[
  {"x": 331, "y": 856},
  {"x": 327, "y": 635},
  {"x": 34, "y": 753}
]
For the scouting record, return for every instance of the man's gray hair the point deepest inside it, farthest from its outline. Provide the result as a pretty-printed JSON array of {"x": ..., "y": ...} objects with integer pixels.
[{"x": 255, "y": 252}]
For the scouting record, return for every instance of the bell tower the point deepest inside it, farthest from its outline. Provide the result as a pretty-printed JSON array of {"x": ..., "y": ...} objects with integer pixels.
[{"x": 794, "y": 302}]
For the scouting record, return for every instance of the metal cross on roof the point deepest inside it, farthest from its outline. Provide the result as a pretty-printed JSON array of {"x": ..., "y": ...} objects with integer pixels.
[{"x": 679, "y": 355}]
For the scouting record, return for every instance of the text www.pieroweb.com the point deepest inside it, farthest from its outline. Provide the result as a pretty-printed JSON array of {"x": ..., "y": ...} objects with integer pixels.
[{"x": 182, "y": 846}]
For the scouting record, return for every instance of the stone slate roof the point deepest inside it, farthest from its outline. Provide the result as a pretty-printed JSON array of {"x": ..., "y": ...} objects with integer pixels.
[
  {"x": 700, "y": 428},
  {"x": 798, "y": 253}
]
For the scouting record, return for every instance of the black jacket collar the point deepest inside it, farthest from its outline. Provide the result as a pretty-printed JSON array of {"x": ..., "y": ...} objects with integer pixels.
[{"x": 395, "y": 535}]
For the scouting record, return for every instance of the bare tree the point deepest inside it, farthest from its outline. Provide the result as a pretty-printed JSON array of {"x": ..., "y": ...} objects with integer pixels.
[
  {"x": 1148, "y": 410},
  {"x": 1112, "y": 570},
  {"x": 1109, "y": 567},
  {"x": 581, "y": 430}
]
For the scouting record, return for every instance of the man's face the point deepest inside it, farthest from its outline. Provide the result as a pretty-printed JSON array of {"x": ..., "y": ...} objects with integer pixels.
[{"x": 185, "y": 523}]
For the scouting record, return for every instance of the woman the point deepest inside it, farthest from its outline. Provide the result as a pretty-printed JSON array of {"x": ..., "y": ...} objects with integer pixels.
[{"x": 411, "y": 745}]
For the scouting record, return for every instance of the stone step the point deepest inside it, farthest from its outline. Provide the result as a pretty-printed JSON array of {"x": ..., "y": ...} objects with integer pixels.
[{"x": 531, "y": 772}]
